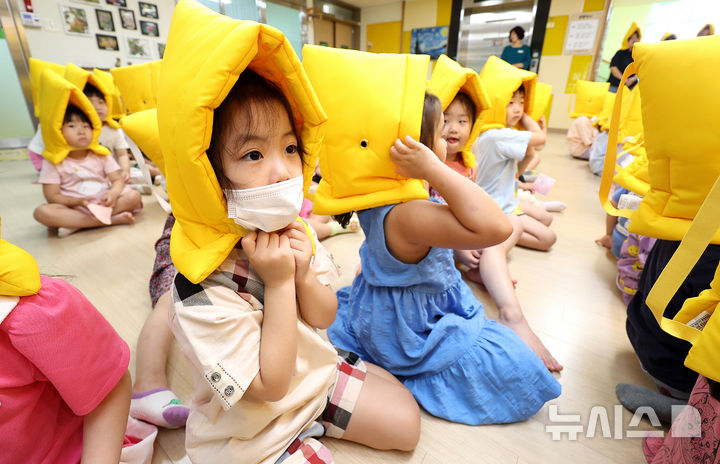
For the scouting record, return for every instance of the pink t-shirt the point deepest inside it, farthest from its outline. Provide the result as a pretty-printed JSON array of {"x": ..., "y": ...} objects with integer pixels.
[
  {"x": 80, "y": 178},
  {"x": 60, "y": 359}
]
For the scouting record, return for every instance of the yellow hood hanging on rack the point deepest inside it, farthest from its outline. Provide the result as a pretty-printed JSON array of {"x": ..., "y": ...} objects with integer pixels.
[
  {"x": 36, "y": 69},
  {"x": 633, "y": 29},
  {"x": 138, "y": 84},
  {"x": 589, "y": 98},
  {"x": 56, "y": 93},
  {"x": 371, "y": 100},
  {"x": 500, "y": 80},
  {"x": 142, "y": 128},
  {"x": 206, "y": 53},
  {"x": 447, "y": 80},
  {"x": 697, "y": 321},
  {"x": 117, "y": 107},
  {"x": 80, "y": 77},
  {"x": 19, "y": 274}
]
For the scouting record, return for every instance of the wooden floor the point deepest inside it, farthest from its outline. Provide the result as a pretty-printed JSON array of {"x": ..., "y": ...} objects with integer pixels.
[{"x": 568, "y": 295}]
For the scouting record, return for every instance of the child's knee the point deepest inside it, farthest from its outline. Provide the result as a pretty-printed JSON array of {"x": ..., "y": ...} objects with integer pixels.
[
  {"x": 407, "y": 424},
  {"x": 43, "y": 213}
]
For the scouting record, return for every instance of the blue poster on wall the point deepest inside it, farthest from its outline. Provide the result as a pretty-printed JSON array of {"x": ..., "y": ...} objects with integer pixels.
[{"x": 429, "y": 40}]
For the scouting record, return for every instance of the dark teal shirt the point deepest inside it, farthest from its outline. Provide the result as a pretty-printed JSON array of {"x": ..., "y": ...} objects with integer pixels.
[{"x": 517, "y": 55}]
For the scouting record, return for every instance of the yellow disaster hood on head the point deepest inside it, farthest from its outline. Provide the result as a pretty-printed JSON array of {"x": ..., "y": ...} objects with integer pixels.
[
  {"x": 633, "y": 29},
  {"x": 447, "y": 80},
  {"x": 589, "y": 98},
  {"x": 668, "y": 36},
  {"x": 500, "y": 80},
  {"x": 371, "y": 100},
  {"x": 138, "y": 84},
  {"x": 116, "y": 110},
  {"x": 36, "y": 69},
  {"x": 205, "y": 54},
  {"x": 56, "y": 93},
  {"x": 80, "y": 77},
  {"x": 19, "y": 274},
  {"x": 543, "y": 96},
  {"x": 710, "y": 27},
  {"x": 142, "y": 128}
]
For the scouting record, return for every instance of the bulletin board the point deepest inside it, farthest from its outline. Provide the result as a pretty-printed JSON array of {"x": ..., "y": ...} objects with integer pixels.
[{"x": 583, "y": 32}]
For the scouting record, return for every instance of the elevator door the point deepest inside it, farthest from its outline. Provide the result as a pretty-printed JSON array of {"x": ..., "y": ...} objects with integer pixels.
[{"x": 485, "y": 27}]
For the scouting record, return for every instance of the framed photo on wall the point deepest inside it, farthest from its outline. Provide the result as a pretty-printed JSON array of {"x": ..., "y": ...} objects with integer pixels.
[
  {"x": 105, "y": 20},
  {"x": 127, "y": 18},
  {"x": 116, "y": 2},
  {"x": 74, "y": 20},
  {"x": 107, "y": 42},
  {"x": 149, "y": 28},
  {"x": 138, "y": 48},
  {"x": 148, "y": 10},
  {"x": 91, "y": 2}
]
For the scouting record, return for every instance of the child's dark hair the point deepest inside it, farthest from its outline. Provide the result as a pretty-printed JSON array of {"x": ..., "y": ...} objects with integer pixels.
[
  {"x": 519, "y": 32},
  {"x": 92, "y": 91},
  {"x": 468, "y": 104},
  {"x": 432, "y": 110},
  {"x": 249, "y": 88},
  {"x": 73, "y": 110},
  {"x": 520, "y": 90}
]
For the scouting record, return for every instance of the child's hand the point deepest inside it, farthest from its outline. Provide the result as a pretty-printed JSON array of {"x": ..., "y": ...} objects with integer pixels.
[
  {"x": 109, "y": 199},
  {"x": 83, "y": 201},
  {"x": 526, "y": 186},
  {"x": 470, "y": 258},
  {"x": 413, "y": 159},
  {"x": 301, "y": 246},
  {"x": 542, "y": 123},
  {"x": 271, "y": 256}
]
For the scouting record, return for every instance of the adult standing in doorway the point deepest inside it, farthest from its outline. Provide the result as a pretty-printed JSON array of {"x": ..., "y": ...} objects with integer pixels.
[
  {"x": 517, "y": 53},
  {"x": 623, "y": 58}
]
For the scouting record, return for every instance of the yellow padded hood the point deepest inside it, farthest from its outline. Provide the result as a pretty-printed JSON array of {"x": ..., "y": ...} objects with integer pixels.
[
  {"x": 116, "y": 110},
  {"x": 633, "y": 29},
  {"x": 371, "y": 100},
  {"x": 138, "y": 84},
  {"x": 710, "y": 26},
  {"x": 667, "y": 35},
  {"x": 80, "y": 77},
  {"x": 603, "y": 118},
  {"x": 56, "y": 93},
  {"x": 543, "y": 95},
  {"x": 36, "y": 69},
  {"x": 703, "y": 356},
  {"x": 447, "y": 80},
  {"x": 500, "y": 80},
  {"x": 19, "y": 274},
  {"x": 142, "y": 128},
  {"x": 590, "y": 98},
  {"x": 635, "y": 177},
  {"x": 206, "y": 53}
]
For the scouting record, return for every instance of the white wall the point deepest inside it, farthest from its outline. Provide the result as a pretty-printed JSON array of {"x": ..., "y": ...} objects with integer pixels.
[
  {"x": 51, "y": 43},
  {"x": 378, "y": 14}
]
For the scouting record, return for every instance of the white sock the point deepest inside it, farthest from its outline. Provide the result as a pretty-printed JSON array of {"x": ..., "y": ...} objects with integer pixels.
[
  {"x": 160, "y": 407},
  {"x": 65, "y": 231}
]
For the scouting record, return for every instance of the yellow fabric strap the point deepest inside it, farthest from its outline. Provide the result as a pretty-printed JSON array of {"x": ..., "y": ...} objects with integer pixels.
[
  {"x": 309, "y": 232},
  {"x": 611, "y": 155},
  {"x": 624, "y": 152},
  {"x": 696, "y": 239}
]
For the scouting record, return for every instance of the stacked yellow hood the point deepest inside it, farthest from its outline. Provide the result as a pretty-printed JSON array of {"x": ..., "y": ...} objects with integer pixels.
[
  {"x": 56, "y": 93},
  {"x": 589, "y": 98},
  {"x": 205, "y": 54},
  {"x": 116, "y": 109},
  {"x": 80, "y": 77},
  {"x": 142, "y": 128},
  {"x": 633, "y": 29},
  {"x": 447, "y": 80},
  {"x": 19, "y": 274},
  {"x": 500, "y": 80},
  {"x": 138, "y": 85},
  {"x": 371, "y": 100},
  {"x": 36, "y": 69}
]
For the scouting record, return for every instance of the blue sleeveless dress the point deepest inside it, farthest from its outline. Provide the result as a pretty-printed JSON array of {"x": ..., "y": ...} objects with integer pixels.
[{"x": 422, "y": 323}]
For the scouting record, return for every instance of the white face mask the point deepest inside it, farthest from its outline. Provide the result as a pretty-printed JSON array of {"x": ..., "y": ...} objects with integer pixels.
[{"x": 268, "y": 208}]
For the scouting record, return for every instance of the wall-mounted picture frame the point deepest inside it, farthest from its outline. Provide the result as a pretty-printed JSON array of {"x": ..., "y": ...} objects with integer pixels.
[
  {"x": 161, "y": 50},
  {"x": 138, "y": 48},
  {"x": 105, "y": 20},
  {"x": 87, "y": 2},
  {"x": 148, "y": 10},
  {"x": 107, "y": 42},
  {"x": 74, "y": 20},
  {"x": 116, "y": 2},
  {"x": 127, "y": 18},
  {"x": 149, "y": 28},
  {"x": 429, "y": 40}
]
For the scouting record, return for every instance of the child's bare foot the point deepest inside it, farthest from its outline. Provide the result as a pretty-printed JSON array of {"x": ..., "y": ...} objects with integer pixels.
[
  {"x": 605, "y": 240},
  {"x": 123, "y": 218},
  {"x": 474, "y": 276},
  {"x": 523, "y": 330}
]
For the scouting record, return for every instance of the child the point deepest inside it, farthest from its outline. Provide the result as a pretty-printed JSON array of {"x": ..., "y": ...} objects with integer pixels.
[
  {"x": 65, "y": 388},
  {"x": 410, "y": 311},
  {"x": 247, "y": 304},
  {"x": 81, "y": 179}
]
